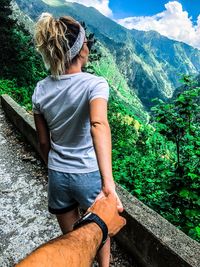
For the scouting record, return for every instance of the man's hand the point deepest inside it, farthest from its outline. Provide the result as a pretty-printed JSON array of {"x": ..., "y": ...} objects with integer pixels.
[
  {"x": 106, "y": 208},
  {"x": 110, "y": 189}
]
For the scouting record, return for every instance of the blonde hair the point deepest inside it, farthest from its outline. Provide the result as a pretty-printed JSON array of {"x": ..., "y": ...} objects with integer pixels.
[{"x": 53, "y": 39}]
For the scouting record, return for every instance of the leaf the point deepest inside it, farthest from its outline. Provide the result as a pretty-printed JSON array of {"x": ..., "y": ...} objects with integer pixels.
[
  {"x": 193, "y": 176},
  {"x": 138, "y": 191},
  {"x": 184, "y": 193},
  {"x": 198, "y": 230}
]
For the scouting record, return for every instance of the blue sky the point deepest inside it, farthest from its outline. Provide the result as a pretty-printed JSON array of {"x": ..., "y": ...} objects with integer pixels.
[
  {"x": 176, "y": 19},
  {"x": 127, "y": 8}
]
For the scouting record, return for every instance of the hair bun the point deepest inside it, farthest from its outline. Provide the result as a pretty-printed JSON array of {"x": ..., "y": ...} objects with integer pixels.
[{"x": 53, "y": 43}]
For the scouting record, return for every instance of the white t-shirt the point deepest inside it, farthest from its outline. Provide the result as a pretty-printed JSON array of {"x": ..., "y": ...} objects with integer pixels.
[{"x": 64, "y": 104}]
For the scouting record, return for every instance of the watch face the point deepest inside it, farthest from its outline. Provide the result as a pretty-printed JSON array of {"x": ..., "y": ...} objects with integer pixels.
[{"x": 87, "y": 217}]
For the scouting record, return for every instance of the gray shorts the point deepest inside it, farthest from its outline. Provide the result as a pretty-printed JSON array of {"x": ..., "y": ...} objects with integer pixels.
[{"x": 66, "y": 191}]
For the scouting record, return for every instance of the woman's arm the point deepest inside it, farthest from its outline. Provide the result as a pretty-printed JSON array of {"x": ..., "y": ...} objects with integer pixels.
[
  {"x": 43, "y": 136},
  {"x": 101, "y": 135}
]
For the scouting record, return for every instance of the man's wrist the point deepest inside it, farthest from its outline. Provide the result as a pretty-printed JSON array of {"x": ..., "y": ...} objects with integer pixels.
[
  {"x": 93, "y": 218},
  {"x": 92, "y": 236}
]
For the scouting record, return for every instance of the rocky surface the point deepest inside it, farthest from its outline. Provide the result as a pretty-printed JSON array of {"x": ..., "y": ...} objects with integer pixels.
[{"x": 25, "y": 222}]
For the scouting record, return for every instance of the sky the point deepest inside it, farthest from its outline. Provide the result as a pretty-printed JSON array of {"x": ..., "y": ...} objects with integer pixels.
[{"x": 178, "y": 20}]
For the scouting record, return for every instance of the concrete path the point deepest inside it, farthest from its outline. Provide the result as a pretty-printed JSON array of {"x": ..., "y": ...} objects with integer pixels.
[{"x": 25, "y": 222}]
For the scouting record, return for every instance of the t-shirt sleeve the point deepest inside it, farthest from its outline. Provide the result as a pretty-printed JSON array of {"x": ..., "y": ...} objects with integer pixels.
[
  {"x": 99, "y": 89},
  {"x": 35, "y": 104}
]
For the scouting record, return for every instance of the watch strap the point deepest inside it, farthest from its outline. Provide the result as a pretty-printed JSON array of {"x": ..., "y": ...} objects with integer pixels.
[{"x": 92, "y": 217}]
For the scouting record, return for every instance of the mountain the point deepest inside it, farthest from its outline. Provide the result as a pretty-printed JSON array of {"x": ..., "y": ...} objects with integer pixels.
[
  {"x": 150, "y": 63},
  {"x": 168, "y": 58},
  {"x": 21, "y": 17}
]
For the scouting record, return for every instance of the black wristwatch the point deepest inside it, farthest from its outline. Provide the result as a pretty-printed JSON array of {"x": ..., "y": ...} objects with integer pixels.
[{"x": 92, "y": 217}]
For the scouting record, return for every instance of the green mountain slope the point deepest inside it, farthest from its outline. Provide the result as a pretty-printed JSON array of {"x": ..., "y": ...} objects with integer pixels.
[
  {"x": 168, "y": 60},
  {"x": 120, "y": 91},
  {"x": 150, "y": 63}
]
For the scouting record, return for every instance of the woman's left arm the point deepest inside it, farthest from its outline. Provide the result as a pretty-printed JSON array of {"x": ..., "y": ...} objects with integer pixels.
[{"x": 43, "y": 136}]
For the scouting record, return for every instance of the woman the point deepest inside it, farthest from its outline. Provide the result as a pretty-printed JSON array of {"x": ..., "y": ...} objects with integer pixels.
[{"x": 70, "y": 112}]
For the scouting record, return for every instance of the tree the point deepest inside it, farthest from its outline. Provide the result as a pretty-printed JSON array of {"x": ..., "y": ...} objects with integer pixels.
[
  {"x": 7, "y": 44},
  {"x": 179, "y": 122},
  {"x": 18, "y": 58}
]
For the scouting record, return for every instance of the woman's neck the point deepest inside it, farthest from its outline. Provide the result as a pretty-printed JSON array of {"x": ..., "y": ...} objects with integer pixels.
[{"x": 74, "y": 68}]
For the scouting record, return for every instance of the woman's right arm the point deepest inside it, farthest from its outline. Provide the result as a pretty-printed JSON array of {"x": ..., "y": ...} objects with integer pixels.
[{"x": 101, "y": 135}]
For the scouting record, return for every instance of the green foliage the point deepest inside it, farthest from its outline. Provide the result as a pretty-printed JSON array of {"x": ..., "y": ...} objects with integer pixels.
[
  {"x": 18, "y": 58},
  {"x": 22, "y": 95},
  {"x": 179, "y": 122},
  {"x": 141, "y": 163},
  {"x": 159, "y": 163}
]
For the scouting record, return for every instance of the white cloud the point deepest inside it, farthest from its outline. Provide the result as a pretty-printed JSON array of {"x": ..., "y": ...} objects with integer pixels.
[
  {"x": 101, "y": 5},
  {"x": 172, "y": 22}
]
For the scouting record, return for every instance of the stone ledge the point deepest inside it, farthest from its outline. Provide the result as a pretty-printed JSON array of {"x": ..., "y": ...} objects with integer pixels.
[
  {"x": 21, "y": 119},
  {"x": 148, "y": 237},
  {"x": 153, "y": 240}
]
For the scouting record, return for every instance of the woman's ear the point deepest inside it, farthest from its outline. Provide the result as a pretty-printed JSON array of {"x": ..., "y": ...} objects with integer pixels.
[{"x": 79, "y": 55}]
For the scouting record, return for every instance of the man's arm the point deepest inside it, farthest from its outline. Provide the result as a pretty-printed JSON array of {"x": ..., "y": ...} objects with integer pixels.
[
  {"x": 77, "y": 248},
  {"x": 43, "y": 136}
]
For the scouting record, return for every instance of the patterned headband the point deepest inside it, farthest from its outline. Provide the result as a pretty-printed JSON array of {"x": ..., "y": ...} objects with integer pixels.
[{"x": 74, "y": 50}]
